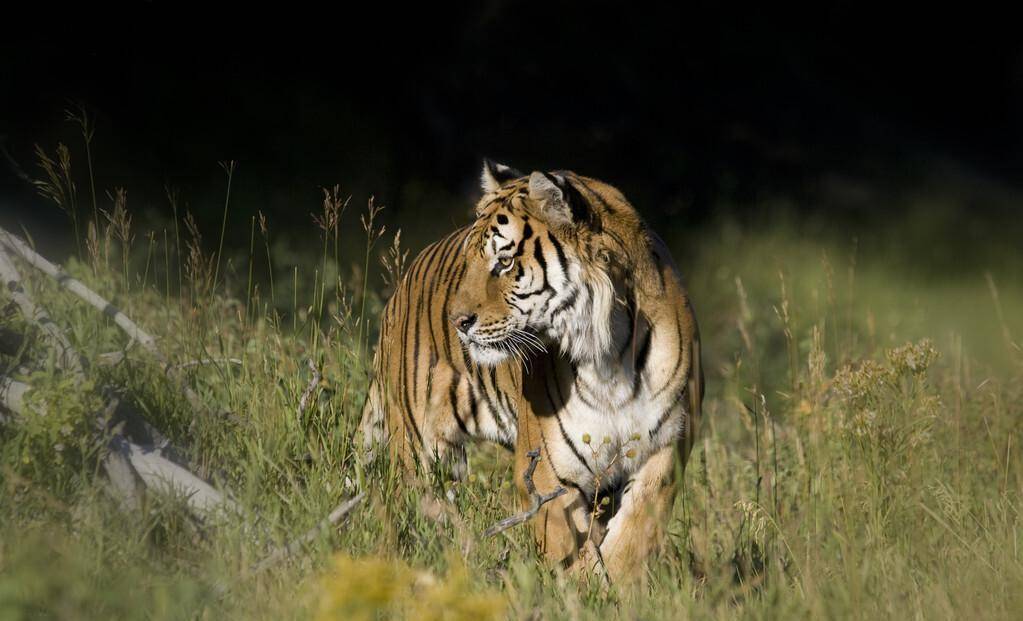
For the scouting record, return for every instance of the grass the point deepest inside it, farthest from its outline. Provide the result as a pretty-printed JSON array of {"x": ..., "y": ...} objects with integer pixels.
[{"x": 860, "y": 458}]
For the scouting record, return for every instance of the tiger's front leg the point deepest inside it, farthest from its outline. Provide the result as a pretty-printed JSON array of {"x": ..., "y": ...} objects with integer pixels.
[
  {"x": 636, "y": 530},
  {"x": 561, "y": 526}
]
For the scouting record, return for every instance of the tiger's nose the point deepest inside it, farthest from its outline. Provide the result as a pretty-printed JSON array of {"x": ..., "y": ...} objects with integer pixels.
[{"x": 463, "y": 322}]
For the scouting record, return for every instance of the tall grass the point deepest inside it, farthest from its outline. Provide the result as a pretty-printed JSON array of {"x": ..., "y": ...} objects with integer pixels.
[{"x": 860, "y": 456}]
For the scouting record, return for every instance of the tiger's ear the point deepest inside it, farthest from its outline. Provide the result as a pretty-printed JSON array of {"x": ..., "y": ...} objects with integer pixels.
[
  {"x": 495, "y": 175},
  {"x": 561, "y": 203}
]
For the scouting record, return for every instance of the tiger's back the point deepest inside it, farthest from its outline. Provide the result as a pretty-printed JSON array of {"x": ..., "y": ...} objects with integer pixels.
[{"x": 427, "y": 397}]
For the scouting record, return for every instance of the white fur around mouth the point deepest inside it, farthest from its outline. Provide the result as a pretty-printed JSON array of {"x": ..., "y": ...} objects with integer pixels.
[
  {"x": 516, "y": 343},
  {"x": 485, "y": 354}
]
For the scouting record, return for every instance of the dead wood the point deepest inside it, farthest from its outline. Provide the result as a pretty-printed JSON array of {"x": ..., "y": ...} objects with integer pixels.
[{"x": 536, "y": 500}]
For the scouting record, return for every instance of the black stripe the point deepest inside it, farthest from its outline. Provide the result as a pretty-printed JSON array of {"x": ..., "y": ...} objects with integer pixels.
[
  {"x": 562, "y": 259},
  {"x": 440, "y": 272},
  {"x": 556, "y": 409},
  {"x": 453, "y": 398},
  {"x": 667, "y": 413},
  {"x": 633, "y": 320},
  {"x": 659, "y": 270},
  {"x": 496, "y": 412},
  {"x": 510, "y": 408},
  {"x": 553, "y": 469},
  {"x": 445, "y": 310},
  {"x": 482, "y": 381},
  {"x": 593, "y": 194},
  {"x": 403, "y": 402},
  {"x": 563, "y": 305},
  {"x": 639, "y": 363},
  {"x": 563, "y": 481},
  {"x": 615, "y": 237},
  {"x": 538, "y": 255},
  {"x": 422, "y": 310},
  {"x": 449, "y": 261},
  {"x": 579, "y": 384},
  {"x": 474, "y": 406},
  {"x": 678, "y": 361},
  {"x": 470, "y": 366}
]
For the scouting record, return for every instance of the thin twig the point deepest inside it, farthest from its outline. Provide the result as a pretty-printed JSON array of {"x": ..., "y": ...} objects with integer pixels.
[
  {"x": 335, "y": 516},
  {"x": 536, "y": 499},
  {"x": 307, "y": 394}
]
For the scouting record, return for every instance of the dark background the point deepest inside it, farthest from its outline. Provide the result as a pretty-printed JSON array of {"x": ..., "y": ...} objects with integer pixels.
[{"x": 838, "y": 110}]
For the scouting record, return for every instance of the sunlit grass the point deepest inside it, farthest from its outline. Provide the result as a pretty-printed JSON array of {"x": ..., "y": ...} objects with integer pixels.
[{"x": 860, "y": 457}]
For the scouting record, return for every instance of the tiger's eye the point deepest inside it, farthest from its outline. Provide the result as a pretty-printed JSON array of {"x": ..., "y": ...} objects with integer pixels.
[{"x": 505, "y": 261}]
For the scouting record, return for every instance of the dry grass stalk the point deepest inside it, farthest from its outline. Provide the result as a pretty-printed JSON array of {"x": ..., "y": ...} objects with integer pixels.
[{"x": 307, "y": 394}]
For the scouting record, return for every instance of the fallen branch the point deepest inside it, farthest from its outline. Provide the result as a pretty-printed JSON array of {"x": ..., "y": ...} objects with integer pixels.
[
  {"x": 155, "y": 470},
  {"x": 124, "y": 456},
  {"x": 137, "y": 334},
  {"x": 307, "y": 394},
  {"x": 335, "y": 516},
  {"x": 17, "y": 245},
  {"x": 536, "y": 499},
  {"x": 163, "y": 475},
  {"x": 116, "y": 465}
]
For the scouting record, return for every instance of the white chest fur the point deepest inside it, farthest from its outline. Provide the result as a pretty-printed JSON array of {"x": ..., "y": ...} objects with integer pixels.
[{"x": 612, "y": 417}]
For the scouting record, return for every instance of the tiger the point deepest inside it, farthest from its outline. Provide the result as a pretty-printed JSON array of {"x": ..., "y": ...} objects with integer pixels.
[
  {"x": 614, "y": 403},
  {"x": 428, "y": 396}
]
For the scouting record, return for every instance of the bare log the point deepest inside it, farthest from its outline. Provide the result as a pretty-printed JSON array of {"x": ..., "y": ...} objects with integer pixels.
[
  {"x": 536, "y": 500},
  {"x": 155, "y": 470},
  {"x": 163, "y": 475}
]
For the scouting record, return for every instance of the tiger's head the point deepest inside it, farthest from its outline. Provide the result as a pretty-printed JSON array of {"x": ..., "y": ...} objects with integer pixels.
[{"x": 536, "y": 271}]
